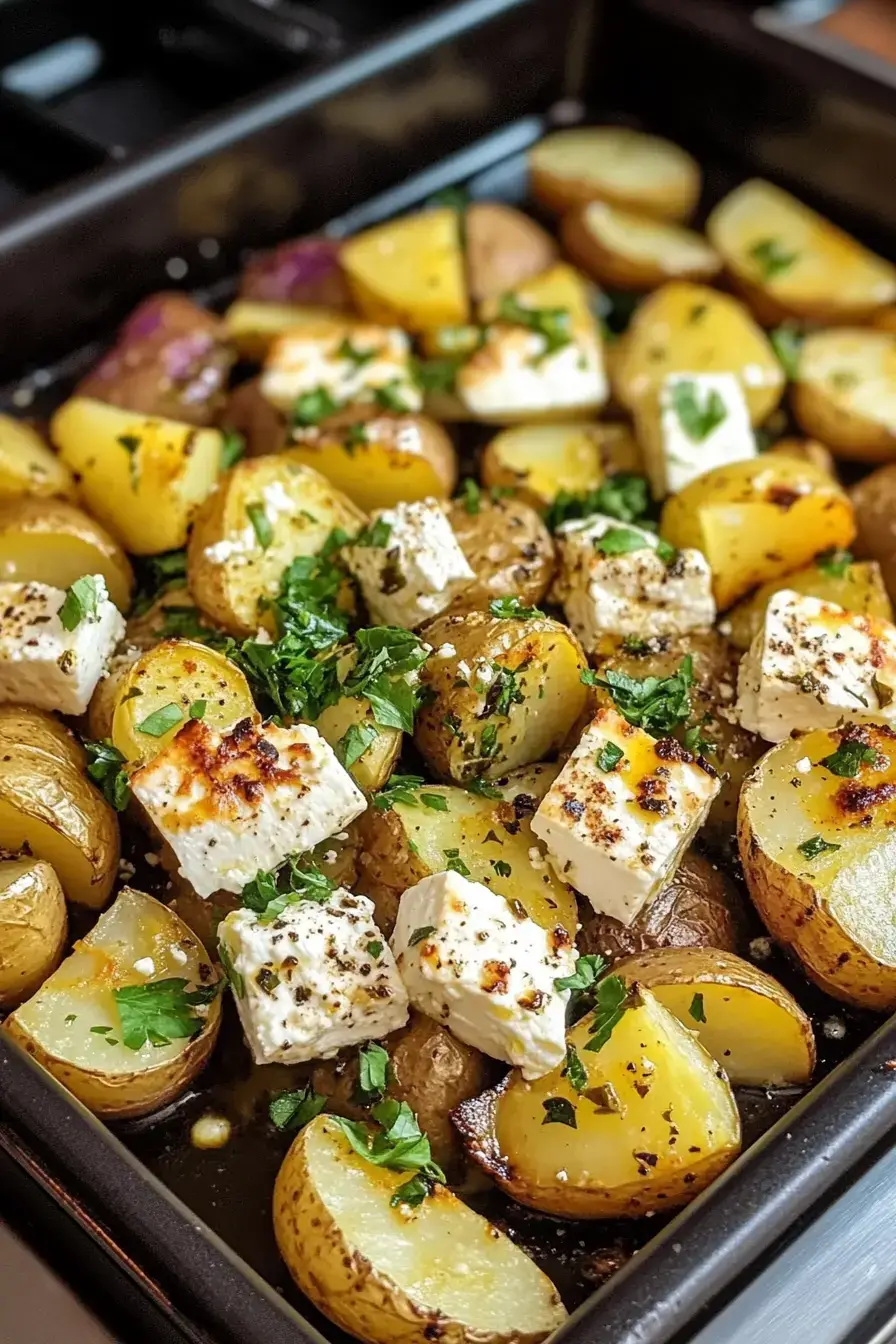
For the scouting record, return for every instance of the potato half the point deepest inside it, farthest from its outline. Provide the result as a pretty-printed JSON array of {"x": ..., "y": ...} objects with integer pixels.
[
  {"x": 791, "y": 262},
  {"x": 33, "y": 927},
  {"x": 374, "y": 766},
  {"x": 629, "y": 251},
  {"x": 376, "y": 463},
  {"x": 252, "y": 326},
  {"x": 538, "y": 461},
  {"x": 860, "y": 588},
  {"x": 758, "y": 520},
  {"x": 49, "y": 806},
  {"x": 52, "y": 541},
  {"x": 504, "y": 248},
  {"x": 874, "y": 501},
  {"x": 508, "y": 548},
  {"x": 142, "y": 477},
  {"x": 28, "y": 466},
  {"x": 409, "y": 272},
  {"x": 507, "y": 695},
  {"x": 398, "y": 1275},
  {"x": 655, "y": 1124},
  {"x": 845, "y": 392},
  {"x": 819, "y": 856},
  {"x": 72, "y": 1025},
  {"x": 741, "y": 1016},
  {"x": 266, "y": 512},
  {"x": 614, "y": 163}
]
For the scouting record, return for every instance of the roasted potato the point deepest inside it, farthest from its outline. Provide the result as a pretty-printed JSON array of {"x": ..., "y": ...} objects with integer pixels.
[
  {"x": 856, "y": 585},
  {"x": 142, "y": 478},
  {"x": 377, "y": 463},
  {"x": 390, "y": 1275},
  {"x": 263, "y": 427},
  {"x": 252, "y": 327},
  {"x": 790, "y": 262},
  {"x": 504, "y": 249},
  {"x": 741, "y": 1016},
  {"x": 407, "y": 842},
  {"x": 540, "y": 461},
  {"x": 170, "y": 361},
  {"x": 758, "y": 520},
  {"x": 700, "y": 906},
  {"x": 508, "y": 548},
  {"x": 627, "y": 168},
  {"x": 266, "y": 512},
  {"x": 807, "y": 450},
  {"x": 170, "y": 615},
  {"x": 627, "y": 251},
  {"x": 52, "y": 541},
  {"x": 374, "y": 766},
  {"x": 328, "y": 369},
  {"x": 73, "y": 1024},
  {"x": 845, "y": 392},
  {"x": 33, "y": 927},
  {"x": 686, "y": 328},
  {"x": 817, "y": 858},
  {"x": 505, "y": 697},
  {"x": 409, "y": 272},
  {"x": 431, "y": 1070},
  {"x": 874, "y": 502},
  {"x": 28, "y": 466},
  {"x": 623, "y": 1157},
  {"x": 50, "y": 809},
  {"x": 303, "y": 271},
  {"x": 103, "y": 702}
]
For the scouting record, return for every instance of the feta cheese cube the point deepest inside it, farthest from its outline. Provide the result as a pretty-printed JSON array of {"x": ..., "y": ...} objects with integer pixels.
[
  {"x": 42, "y": 663},
  {"x": 479, "y": 965},
  {"x": 628, "y": 592},
  {"x": 698, "y": 421},
  {"x": 231, "y": 805},
  {"x": 616, "y": 827},
  {"x": 511, "y": 377},
  {"x": 353, "y": 363},
  {"x": 416, "y": 571},
  {"x": 307, "y": 982},
  {"x": 812, "y": 665}
]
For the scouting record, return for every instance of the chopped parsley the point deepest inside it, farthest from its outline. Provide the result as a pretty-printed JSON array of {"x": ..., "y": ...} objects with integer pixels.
[
  {"x": 161, "y": 721},
  {"x": 375, "y": 535},
  {"x": 559, "y": 1111},
  {"x": 354, "y": 742},
  {"x": 698, "y": 421},
  {"x": 356, "y": 436},
  {"x": 81, "y": 603},
  {"x": 436, "y": 375},
  {"x": 504, "y": 691},
  {"x": 398, "y": 1144},
  {"x": 552, "y": 324},
  {"x": 696, "y": 1009},
  {"x": 159, "y": 574},
  {"x": 488, "y": 742},
  {"x": 834, "y": 562},
  {"x": 418, "y": 935},
  {"x": 507, "y": 608},
  {"x": 374, "y": 949},
  {"x": 358, "y": 358},
  {"x": 849, "y": 758},
  {"x": 293, "y": 1110},
  {"x": 233, "y": 447},
  {"x": 588, "y": 970},
  {"x": 620, "y": 541},
  {"x": 771, "y": 257},
  {"x": 501, "y": 867},
  {"x": 471, "y": 495},
  {"x": 575, "y": 1070},
  {"x": 197, "y": 709},
  {"x": 160, "y": 1012},
  {"x": 787, "y": 343},
  {"x": 810, "y": 849},
  {"x": 695, "y": 741},
  {"x": 232, "y": 975},
  {"x": 373, "y": 1073},
  {"x": 455, "y": 863},
  {"x": 482, "y": 788},
  {"x": 623, "y": 495},
  {"x": 269, "y": 893},
  {"x": 261, "y": 525},
  {"x": 391, "y": 397},
  {"x": 656, "y": 704},
  {"x": 406, "y": 790},
  {"x": 131, "y": 444},
  {"x": 106, "y": 768},
  {"x": 609, "y": 757},
  {"x": 611, "y": 1000},
  {"x": 312, "y": 407}
]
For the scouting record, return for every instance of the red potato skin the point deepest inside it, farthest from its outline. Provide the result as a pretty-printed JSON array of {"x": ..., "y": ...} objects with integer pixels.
[
  {"x": 304, "y": 271},
  {"x": 262, "y": 426},
  {"x": 170, "y": 360}
]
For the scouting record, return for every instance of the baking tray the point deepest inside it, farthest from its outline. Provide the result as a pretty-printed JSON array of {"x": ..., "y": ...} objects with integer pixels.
[{"x": 454, "y": 98}]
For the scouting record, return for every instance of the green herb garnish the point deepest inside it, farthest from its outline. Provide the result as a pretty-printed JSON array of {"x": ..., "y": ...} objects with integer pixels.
[
  {"x": 233, "y": 447},
  {"x": 620, "y": 541},
  {"x": 771, "y": 257},
  {"x": 849, "y": 758},
  {"x": 261, "y": 525},
  {"x": 293, "y": 1110},
  {"x": 358, "y": 358},
  {"x": 391, "y": 397},
  {"x": 622, "y": 495},
  {"x": 698, "y": 421},
  {"x": 559, "y": 1111},
  {"x": 787, "y": 342},
  {"x": 397, "y": 1144},
  {"x": 106, "y": 768},
  {"x": 455, "y": 863},
  {"x": 810, "y": 849},
  {"x": 81, "y": 603},
  {"x": 160, "y": 1012},
  {"x": 269, "y": 893},
  {"x": 552, "y": 324},
  {"x": 696, "y": 1009},
  {"x": 312, "y": 407},
  {"x": 656, "y": 704},
  {"x": 161, "y": 721},
  {"x": 834, "y": 562},
  {"x": 373, "y": 1073},
  {"x": 354, "y": 742},
  {"x": 511, "y": 608},
  {"x": 471, "y": 494},
  {"x": 611, "y": 999},
  {"x": 609, "y": 757},
  {"x": 575, "y": 1070}
]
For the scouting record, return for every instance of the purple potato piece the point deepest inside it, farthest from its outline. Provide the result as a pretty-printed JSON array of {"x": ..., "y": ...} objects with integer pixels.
[{"x": 304, "y": 271}]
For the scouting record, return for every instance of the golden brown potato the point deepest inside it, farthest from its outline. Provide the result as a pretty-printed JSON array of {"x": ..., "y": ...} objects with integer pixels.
[
  {"x": 845, "y": 392},
  {"x": 807, "y": 450},
  {"x": 504, "y": 248},
  {"x": 628, "y": 251},
  {"x": 874, "y": 502},
  {"x": 28, "y": 466},
  {"x": 52, "y": 541},
  {"x": 33, "y": 927},
  {"x": 858, "y": 586},
  {"x": 376, "y": 763},
  {"x": 540, "y": 461},
  {"x": 627, "y": 168},
  {"x": 409, "y": 272},
  {"x": 262, "y": 425},
  {"x": 506, "y": 696},
  {"x": 253, "y": 326},
  {"x": 508, "y": 548}
]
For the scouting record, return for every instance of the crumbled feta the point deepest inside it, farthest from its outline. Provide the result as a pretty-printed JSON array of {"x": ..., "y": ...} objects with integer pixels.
[
  {"x": 804, "y": 765},
  {"x": 512, "y": 377},
  {"x": 617, "y": 835},
  {"x": 231, "y": 805},
  {"x": 417, "y": 572},
  {"x": 179, "y": 955},
  {"x": 676, "y": 448},
  {"x": 317, "y": 357},
  {"x": 145, "y": 966},
  {"x": 446, "y": 651},
  {"x": 229, "y": 548},
  {"x": 472, "y": 961},
  {"x": 634, "y": 593},
  {"x": 307, "y": 984},
  {"x": 43, "y": 664},
  {"x": 812, "y": 665}
]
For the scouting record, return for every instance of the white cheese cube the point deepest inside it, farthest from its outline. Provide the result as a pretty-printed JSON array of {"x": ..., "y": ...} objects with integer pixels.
[
  {"x": 352, "y": 363},
  {"x": 616, "y": 827},
  {"x": 511, "y": 377},
  {"x": 628, "y": 592},
  {"x": 699, "y": 421},
  {"x": 42, "y": 663},
  {"x": 416, "y": 569},
  {"x": 812, "y": 665},
  {"x": 234, "y": 804},
  {"x": 479, "y": 965},
  {"x": 314, "y": 980}
]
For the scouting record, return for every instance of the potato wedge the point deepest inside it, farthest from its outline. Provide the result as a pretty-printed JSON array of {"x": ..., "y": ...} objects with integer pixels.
[
  {"x": 614, "y": 163},
  {"x": 859, "y": 588},
  {"x": 52, "y": 541},
  {"x": 624, "y": 1158},
  {"x": 252, "y": 326},
  {"x": 506, "y": 696},
  {"x": 176, "y": 675},
  {"x": 686, "y": 328},
  {"x": 845, "y": 392},
  {"x": 402, "y": 845},
  {"x": 874, "y": 501},
  {"x": 390, "y": 1275},
  {"x": 504, "y": 248},
  {"x": 508, "y": 548},
  {"x": 540, "y": 461},
  {"x": 265, "y": 512},
  {"x": 628, "y": 251},
  {"x": 49, "y": 806},
  {"x": 758, "y": 520},
  {"x": 791, "y": 262},
  {"x": 741, "y": 1016},
  {"x": 72, "y": 1025},
  {"x": 33, "y": 927},
  {"x": 142, "y": 478},
  {"x": 372, "y": 769},
  {"x": 409, "y": 272},
  {"x": 28, "y": 466},
  {"x": 831, "y": 901},
  {"x": 377, "y": 463}
]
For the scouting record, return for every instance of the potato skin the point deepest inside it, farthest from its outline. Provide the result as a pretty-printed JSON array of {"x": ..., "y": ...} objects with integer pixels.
[
  {"x": 874, "y": 501},
  {"x": 508, "y": 548},
  {"x": 618, "y": 270},
  {"x": 387, "y": 865},
  {"x": 302, "y": 271},
  {"x": 30, "y": 552},
  {"x": 831, "y": 365},
  {"x": 504, "y": 248},
  {"x": 261, "y": 424},
  {"x": 33, "y": 928},
  {"x": 672, "y": 197}
]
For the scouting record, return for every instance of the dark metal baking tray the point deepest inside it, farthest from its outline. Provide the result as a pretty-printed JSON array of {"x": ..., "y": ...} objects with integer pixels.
[{"x": 456, "y": 97}]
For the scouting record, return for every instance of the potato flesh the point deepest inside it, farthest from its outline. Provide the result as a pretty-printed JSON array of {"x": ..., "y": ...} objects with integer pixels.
[
  {"x": 854, "y": 371},
  {"x": 409, "y": 272},
  {"x": 442, "y": 1255},
  {"x": 378, "y": 474},
  {"x": 542, "y": 460},
  {"x": 253, "y": 326},
  {"x": 27, "y": 465},
  {"x": 372, "y": 769},
  {"x": 859, "y": 589},
  {"x": 58, "y": 559}
]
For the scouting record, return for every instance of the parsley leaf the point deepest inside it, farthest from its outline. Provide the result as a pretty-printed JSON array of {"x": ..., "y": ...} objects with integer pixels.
[
  {"x": 269, "y": 893},
  {"x": 160, "y": 1012},
  {"x": 787, "y": 343},
  {"x": 834, "y": 562},
  {"x": 588, "y": 970},
  {"x": 697, "y": 421},
  {"x": 471, "y": 494},
  {"x": 436, "y": 375},
  {"x": 512, "y": 608},
  {"x": 849, "y": 758},
  {"x": 611, "y": 1000},
  {"x": 81, "y": 602},
  {"x": 552, "y": 324},
  {"x": 620, "y": 541},
  {"x": 232, "y": 975},
  {"x": 197, "y": 709},
  {"x": 609, "y": 757},
  {"x": 373, "y": 1073},
  {"x": 261, "y": 525},
  {"x": 233, "y": 447},
  {"x": 418, "y": 935},
  {"x": 397, "y": 1144},
  {"x": 771, "y": 257},
  {"x": 375, "y": 949},
  {"x": 358, "y": 358},
  {"x": 696, "y": 1010},
  {"x": 312, "y": 407},
  {"x": 158, "y": 574},
  {"x": 106, "y": 769},
  {"x": 482, "y": 788},
  {"x": 355, "y": 436},
  {"x": 388, "y": 657},
  {"x": 575, "y": 1070},
  {"x": 293, "y": 1110},
  {"x": 455, "y": 863},
  {"x": 161, "y": 721},
  {"x": 376, "y": 534},
  {"x": 810, "y": 849},
  {"x": 656, "y": 704},
  {"x": 559, "y": 1111},
  {"x": 404, "y": 789},
  {"x": 354, "y": 742},
  {"x": 622, "y": 495},
  {"x": 504, "y": 691},
  {"x": 391, "y": 397},
  {"x": 131, "y": 444}
]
